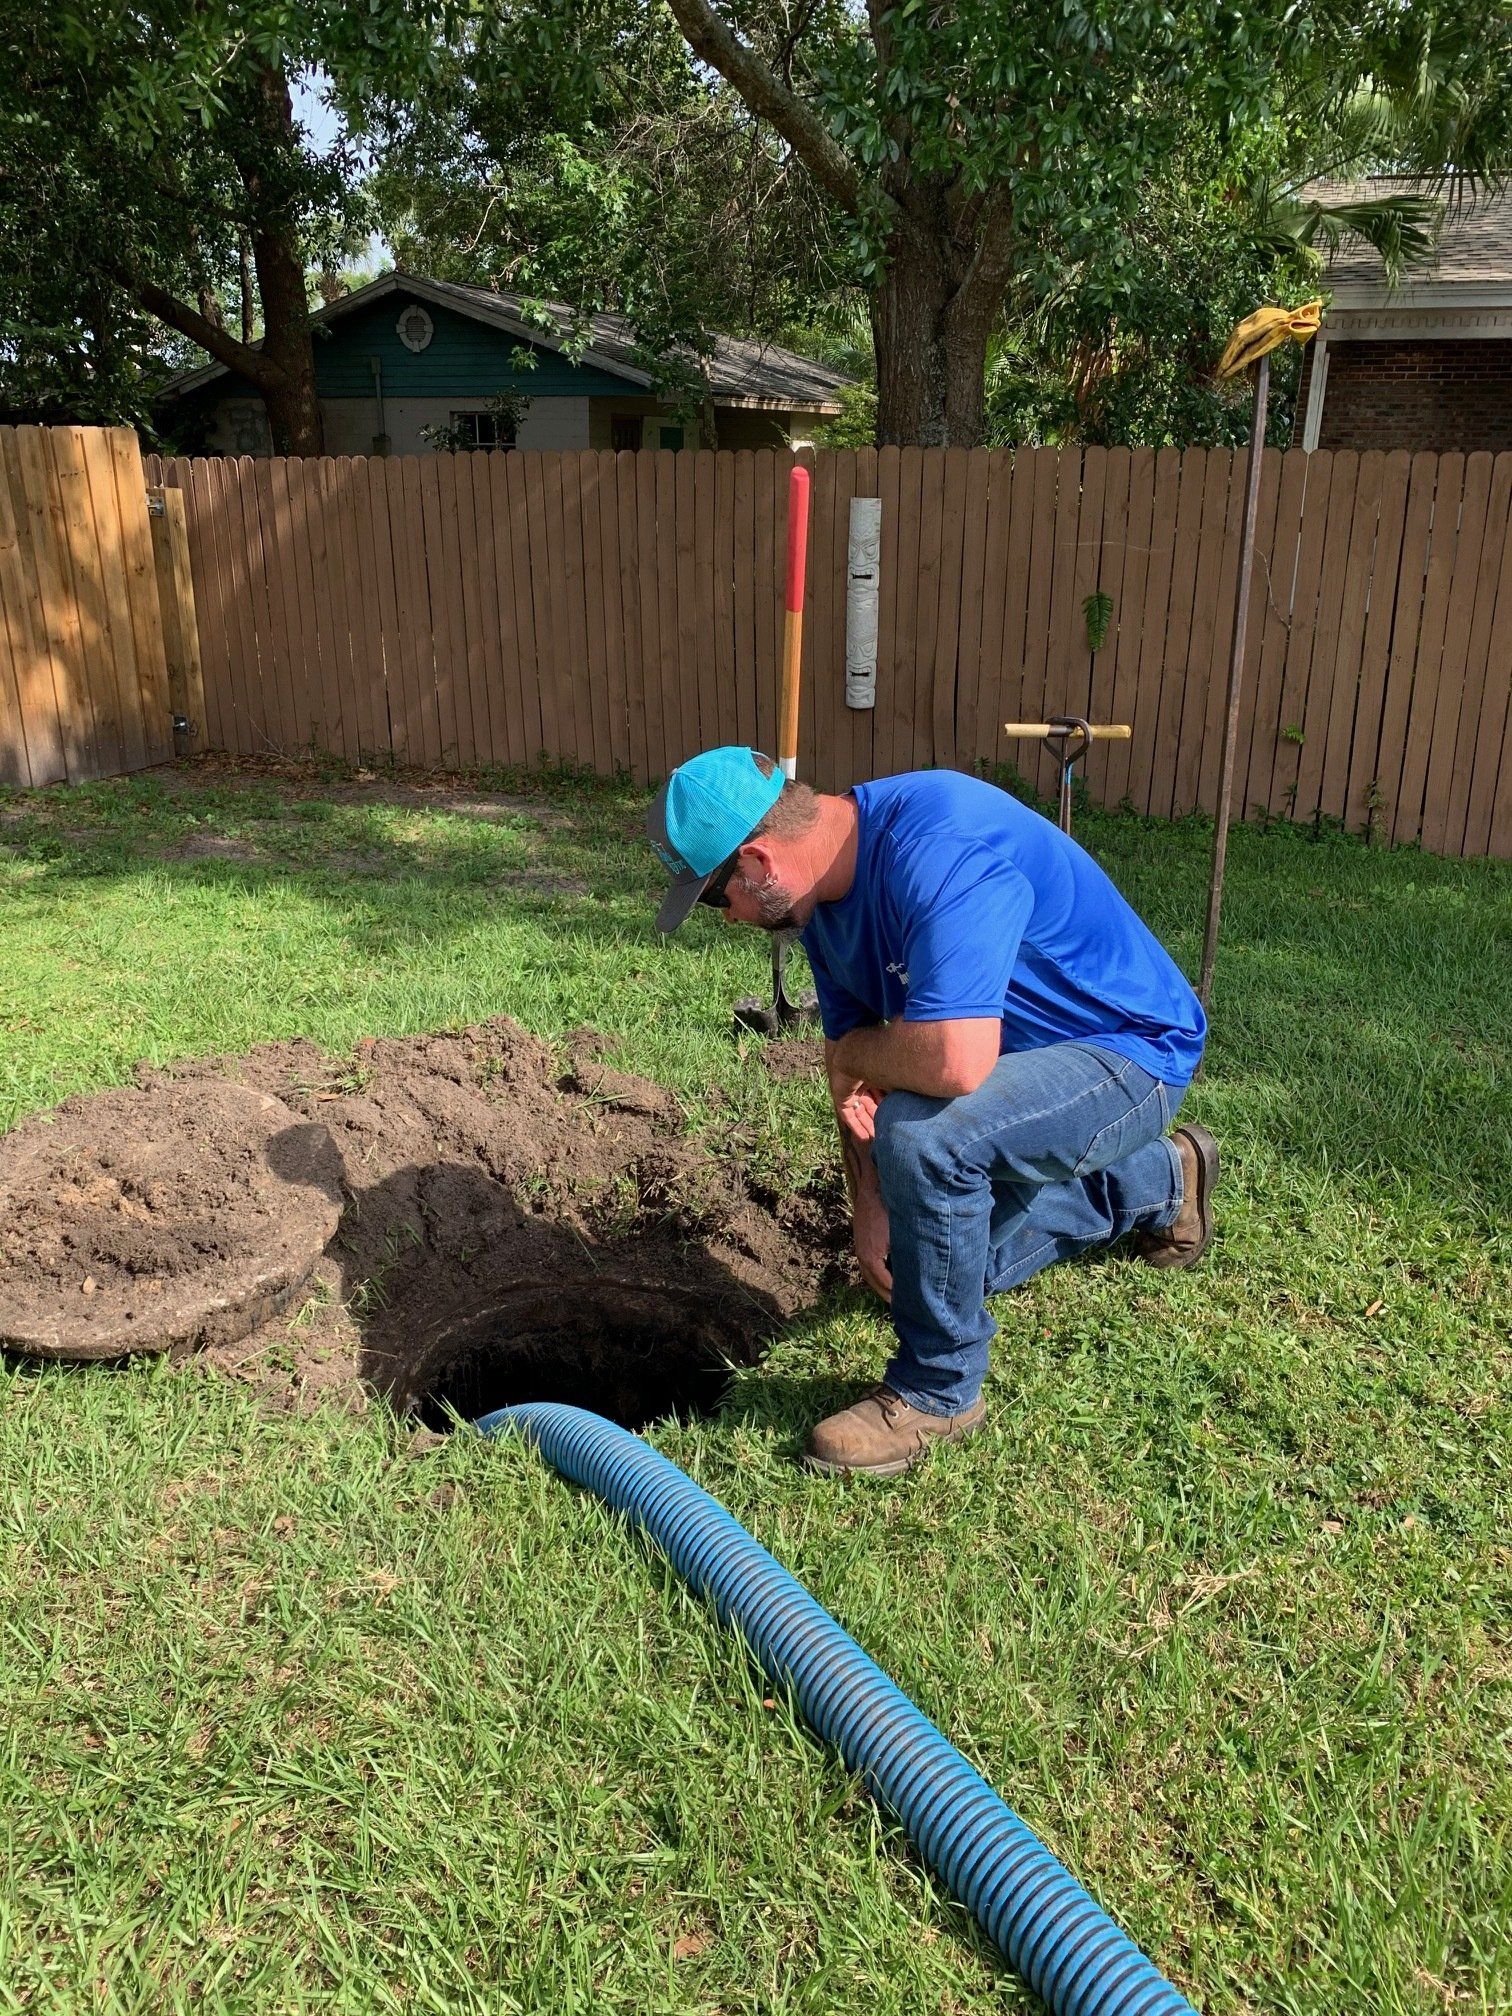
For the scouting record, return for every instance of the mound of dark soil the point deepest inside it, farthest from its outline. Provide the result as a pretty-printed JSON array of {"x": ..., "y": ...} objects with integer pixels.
[{"x": 496, "y": 1227}]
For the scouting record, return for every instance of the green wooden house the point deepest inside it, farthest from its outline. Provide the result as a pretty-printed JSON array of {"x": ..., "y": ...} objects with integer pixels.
[{"x": 404, "y": 357}]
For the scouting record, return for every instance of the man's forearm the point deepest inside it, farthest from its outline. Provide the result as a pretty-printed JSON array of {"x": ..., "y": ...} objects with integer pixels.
[
  {"x": 875, "y": 1056},
  {"x": 942, "y": 1060}
]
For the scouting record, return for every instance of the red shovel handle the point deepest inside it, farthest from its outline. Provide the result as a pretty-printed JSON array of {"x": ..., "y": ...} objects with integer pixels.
[{"x": 792, "y": 645}]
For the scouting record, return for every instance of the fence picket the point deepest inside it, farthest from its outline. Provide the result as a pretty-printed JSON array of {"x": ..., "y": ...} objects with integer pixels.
[
  {"x": 1452, "y": 809},
  {"x": 1165, "y": 698},
  {"x": 765, "y": 597},
  {"x": 97, "y": 563},
  {"x": 42, "y": 755},
  {"x": 912, "y": 733},
  {"x": 726, "y": 684},
  {"x": 1483, "y": 759},
  {"x": 1128, "y": 620},
  {"x": 997, "y": 590},
  {"x": 1075, "y": 693},
  {"x": 566, "y": 591},
  {"x": 1443, "y": 735},
  {"x": 823, "y": 732},
  {"x": 1443, "y": 551},
  {"x": 596, "y": 658},
  {"x": 1375, "y": 647},
  {"x": 944, "y": 659},
  {"x": 554, "y": 703},
  {"x": 819, "y": 717},
  {"x": 1203, "y": 745},
  {"x": 1217, "y": 542},
  {"x": 1109, "y": 562},
  {"x": 475, "y": 507},
  {"x": 630, "y": 613},
  {"x": 744, "y": 597},
  {"x": 968, "y": 682},
  {"x": 690, "y": 733}
]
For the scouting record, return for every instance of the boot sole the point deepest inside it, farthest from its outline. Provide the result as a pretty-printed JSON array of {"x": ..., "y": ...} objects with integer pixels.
[
  {"x": 1206, "y": 1149},
  {"x": 898, "y": 1465}
]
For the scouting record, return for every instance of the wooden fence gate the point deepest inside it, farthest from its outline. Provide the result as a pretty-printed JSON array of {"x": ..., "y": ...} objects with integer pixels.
[{"x": 84, "y": 681}]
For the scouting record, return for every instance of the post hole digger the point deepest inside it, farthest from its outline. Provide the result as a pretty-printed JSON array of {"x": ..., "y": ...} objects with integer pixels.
[{"x": 1068, "y": 738}]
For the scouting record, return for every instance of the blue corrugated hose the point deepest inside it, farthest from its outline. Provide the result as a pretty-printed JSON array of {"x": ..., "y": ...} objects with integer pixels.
[{"x": 1066, "y": 1947}]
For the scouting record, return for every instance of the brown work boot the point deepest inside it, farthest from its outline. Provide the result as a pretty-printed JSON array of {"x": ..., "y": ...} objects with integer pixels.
[
  {"x": 882, "y": 1436},
  {"x": 1185, "y": 1239}
]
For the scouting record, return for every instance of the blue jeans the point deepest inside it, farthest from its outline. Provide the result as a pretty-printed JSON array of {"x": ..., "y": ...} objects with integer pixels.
[{"x": 1061, "y": 1150}]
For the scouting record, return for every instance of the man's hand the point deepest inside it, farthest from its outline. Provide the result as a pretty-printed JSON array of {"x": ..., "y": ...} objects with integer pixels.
[
  {"x": 856, "y": 1110},
  {"x": 856, "y": 1104}
]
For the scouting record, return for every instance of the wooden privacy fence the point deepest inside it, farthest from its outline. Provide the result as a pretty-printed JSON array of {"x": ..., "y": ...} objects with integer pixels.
[
  {"x": 622, "y": 611},
  {"x": 84, "y": 679}
]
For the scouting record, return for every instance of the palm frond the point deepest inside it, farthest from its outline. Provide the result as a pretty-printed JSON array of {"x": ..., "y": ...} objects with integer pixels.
[{"x": 1402, "y": 228}]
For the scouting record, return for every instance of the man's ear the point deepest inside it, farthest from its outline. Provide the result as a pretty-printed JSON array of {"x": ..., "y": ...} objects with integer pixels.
[{"x": 756, "y": 861}]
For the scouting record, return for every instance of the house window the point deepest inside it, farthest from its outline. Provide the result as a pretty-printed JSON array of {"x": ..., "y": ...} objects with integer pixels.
[
  {"x": 483, "y": 429},
  {"x": 625, "y": 430},
  {"x": 671, "y": 437}
]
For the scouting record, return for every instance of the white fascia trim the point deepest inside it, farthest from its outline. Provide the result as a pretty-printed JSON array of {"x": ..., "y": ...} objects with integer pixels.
[
  {"x": 1385, "y": 326},
  {"x": 1417, "y": 295}
]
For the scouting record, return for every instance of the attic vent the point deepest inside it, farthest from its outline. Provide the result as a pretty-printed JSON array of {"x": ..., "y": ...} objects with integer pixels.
[{"x": 415, "y": 327}]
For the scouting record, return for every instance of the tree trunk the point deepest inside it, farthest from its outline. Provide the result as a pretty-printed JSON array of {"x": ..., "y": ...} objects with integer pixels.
[
  {"x": 932, "y": 312},
  {"x": 908, "y": 335},
  {"x": 292, "y": 404}
]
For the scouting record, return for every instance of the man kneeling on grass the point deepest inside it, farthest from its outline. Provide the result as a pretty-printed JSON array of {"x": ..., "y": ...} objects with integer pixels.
[{"x": 1006, "y": 1044}]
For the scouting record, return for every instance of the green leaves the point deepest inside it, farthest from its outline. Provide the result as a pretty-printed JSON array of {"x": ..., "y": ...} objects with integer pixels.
[{"x": 1097, "y": 613}]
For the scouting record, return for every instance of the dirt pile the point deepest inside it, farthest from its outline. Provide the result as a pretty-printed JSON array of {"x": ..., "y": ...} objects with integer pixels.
[{"x": 490, "y": 1224}]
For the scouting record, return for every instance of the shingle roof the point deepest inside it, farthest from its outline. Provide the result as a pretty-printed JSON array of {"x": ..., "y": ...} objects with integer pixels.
[
  {"x": 739, "y": 372},
  {"x": 736, "y": 369},
  {"x": 1474, "y": 247}
]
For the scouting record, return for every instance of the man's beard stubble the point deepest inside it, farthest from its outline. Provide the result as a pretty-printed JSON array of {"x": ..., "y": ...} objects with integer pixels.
[{"x": 774, "y": 905}]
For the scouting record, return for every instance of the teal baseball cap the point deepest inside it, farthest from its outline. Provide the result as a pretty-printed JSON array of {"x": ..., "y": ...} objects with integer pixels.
[{"x": 707, "y": 808}]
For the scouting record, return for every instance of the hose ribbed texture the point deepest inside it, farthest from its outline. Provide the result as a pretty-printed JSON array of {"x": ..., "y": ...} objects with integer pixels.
[{"x": 1066, "y": 1947}]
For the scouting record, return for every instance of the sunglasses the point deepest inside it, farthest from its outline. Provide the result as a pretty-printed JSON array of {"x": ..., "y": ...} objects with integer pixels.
[{"x": 714, "y": 892}]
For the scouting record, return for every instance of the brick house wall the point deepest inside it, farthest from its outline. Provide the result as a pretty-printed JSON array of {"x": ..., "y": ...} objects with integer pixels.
[{"x": 1390, "y": 394}]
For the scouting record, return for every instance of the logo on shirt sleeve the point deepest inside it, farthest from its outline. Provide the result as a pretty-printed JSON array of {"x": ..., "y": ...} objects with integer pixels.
[{"x": 900, "y": 974}]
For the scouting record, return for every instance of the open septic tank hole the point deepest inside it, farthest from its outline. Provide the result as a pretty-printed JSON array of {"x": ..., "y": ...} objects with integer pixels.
[{"x": 633, "y": 1354}]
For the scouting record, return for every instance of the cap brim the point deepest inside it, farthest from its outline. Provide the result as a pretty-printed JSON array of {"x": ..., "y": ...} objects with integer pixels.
[{"x": 681, "y": 898}]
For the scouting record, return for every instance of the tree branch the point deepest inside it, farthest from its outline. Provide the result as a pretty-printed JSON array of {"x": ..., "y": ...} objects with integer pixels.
[
  {"x": 221, "y": 344},
  {"x": 714, "y": 42},
  {"x": 992, "y": 261}
]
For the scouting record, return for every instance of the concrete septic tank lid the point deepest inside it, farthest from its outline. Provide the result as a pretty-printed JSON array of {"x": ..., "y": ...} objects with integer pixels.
[{"x": 158, "y": 1219}]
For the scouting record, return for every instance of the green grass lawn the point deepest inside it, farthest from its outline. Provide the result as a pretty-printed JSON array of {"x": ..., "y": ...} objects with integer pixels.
[{"x": 1221, "y": 1601}]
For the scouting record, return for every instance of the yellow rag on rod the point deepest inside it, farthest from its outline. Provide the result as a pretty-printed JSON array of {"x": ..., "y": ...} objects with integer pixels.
[{"x": 1266, "y": 330}]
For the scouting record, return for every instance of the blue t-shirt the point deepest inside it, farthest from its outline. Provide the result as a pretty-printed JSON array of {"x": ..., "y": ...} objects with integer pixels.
[{"x": 966, "y": 903}]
